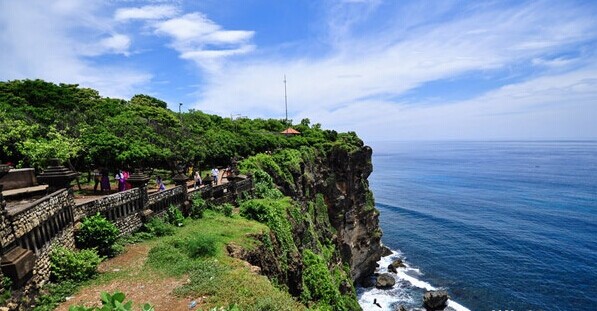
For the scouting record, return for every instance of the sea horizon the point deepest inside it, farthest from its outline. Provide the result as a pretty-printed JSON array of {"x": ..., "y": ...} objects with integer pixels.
[{"x": 500, "y": 225}]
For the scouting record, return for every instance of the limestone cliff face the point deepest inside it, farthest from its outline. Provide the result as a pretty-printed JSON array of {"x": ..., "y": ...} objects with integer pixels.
[
  {"x": 341, "y": 177},
  {"x": 338, "y": 211}
]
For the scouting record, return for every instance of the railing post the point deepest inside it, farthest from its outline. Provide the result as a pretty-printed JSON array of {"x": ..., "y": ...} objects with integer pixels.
[
  {"x": 181, "y": 180},
  {"x": 139, "y": 180}
]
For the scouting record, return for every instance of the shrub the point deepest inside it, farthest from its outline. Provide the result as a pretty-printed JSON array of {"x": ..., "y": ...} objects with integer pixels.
[
  {"x": 6, "y": 284},
  {"x": 201, "y": 246},
  {"x": 198, "y": 205},
  {"x": 54, "y": 294},
  {"x": 255, "y": 210},
  {"x": 97, "y": 232},
  {"x": 227, "y": 209},
  {"x": 77, "y": 266},
  {"x": 174, "y": 216},
  {"x": 114, "y": 302},
  {"x": 158, "y": 227}
]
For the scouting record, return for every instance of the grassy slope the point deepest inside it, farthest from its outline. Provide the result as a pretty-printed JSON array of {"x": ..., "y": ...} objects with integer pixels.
[{"x": 222, "y": 281}]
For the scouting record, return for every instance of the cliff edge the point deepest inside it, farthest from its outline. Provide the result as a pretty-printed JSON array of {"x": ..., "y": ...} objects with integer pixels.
[{"x": 325, "y": 233}]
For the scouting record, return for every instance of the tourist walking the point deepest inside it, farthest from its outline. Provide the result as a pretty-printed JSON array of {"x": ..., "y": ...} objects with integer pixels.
[
  {"x": 97, "y": 178},
  {"x": 197, "y": 178},
  {"x": 121, "y": 180},
  {"x": 127, "y": 185},
  {"x": 214, "y": 175},
  {"x": 160, "y": 184},
  {"x": 105, "y": 181}
]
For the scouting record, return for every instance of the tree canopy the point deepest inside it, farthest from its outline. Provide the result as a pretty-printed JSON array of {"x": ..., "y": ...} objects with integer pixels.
[{"x": 39, "y": 120}]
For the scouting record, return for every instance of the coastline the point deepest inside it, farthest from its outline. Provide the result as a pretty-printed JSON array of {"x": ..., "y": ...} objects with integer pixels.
[{"x": 408, "y": 290}]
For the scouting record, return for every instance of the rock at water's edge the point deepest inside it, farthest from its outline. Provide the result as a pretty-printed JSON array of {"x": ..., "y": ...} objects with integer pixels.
[
  {"x": 367, "y": 282},
  {"x": 395, "y": 265},
  {"x": 386, "y": 251},
  {"x": 435, "y": 300},
  {"x": 385, "y": 280}
]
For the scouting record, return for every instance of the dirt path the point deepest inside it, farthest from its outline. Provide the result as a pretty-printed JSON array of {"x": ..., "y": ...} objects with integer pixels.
[{"x": 137, "y": 286}]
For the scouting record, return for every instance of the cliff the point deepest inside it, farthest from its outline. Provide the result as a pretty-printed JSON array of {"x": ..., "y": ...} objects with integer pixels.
[{"x": 327, "y": 237}]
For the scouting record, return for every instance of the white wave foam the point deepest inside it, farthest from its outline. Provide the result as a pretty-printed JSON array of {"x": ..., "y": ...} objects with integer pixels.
[
  {"x": 414, "y": 281},
  {"x": 456, "y": 306},
  {"x": 387, "y": 299}
]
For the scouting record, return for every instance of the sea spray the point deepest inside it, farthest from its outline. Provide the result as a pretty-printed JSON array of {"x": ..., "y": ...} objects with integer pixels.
[{"x": 408, "y": 290}]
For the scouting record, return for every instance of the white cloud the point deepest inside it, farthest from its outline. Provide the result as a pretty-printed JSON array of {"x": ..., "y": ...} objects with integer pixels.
[
  {"x": 37, "y": 40},
  {"x": 558, "y": 106},
  {"x": 146, "y": 12},
  {"x": 198, "y": 38},
  {"x": 114, "y": 44},
  {"x": 351, "y": 88}
]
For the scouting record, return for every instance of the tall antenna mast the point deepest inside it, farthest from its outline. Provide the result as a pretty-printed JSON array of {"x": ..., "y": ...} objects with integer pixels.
[{"x": 285, "y": 100}]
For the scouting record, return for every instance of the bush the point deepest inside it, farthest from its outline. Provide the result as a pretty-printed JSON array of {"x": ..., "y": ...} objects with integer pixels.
[
  {"x": 158, "y": 227},
  {"x": 99, "y": 233},
  {"x": 114, "y": 302},
  {"x": 201, "y": 246},
  {"x": 6, "y": 284},
  {"x": 54, "y": 294},
  {"x": 68, "y": 265},
  {"x": 227, "y": 209},
  {"x": 256, "y": 210},
  {"x": 198, "y": 205},
  {"x": 174, "y": 216}
]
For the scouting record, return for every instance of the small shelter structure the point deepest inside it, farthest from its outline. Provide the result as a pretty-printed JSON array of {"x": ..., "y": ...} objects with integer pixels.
[{"x": 290, "y": 131}]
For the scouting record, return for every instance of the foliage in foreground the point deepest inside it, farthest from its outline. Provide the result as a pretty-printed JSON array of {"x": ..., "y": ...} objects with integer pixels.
[
  {"x": 76, "y": 266},
  {"x": 99, "y": 233},
  {"x": 6, "y": 284},
  {"x": 53, "y": 294},
  {"x": 113, "y": 302}
]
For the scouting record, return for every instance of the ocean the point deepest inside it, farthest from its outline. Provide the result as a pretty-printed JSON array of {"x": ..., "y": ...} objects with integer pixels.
[{"x": 506, "y": 225}]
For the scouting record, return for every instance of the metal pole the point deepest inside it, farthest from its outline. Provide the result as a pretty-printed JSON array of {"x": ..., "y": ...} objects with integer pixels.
[
  {"x": 179, "y": 111},
  {"x": 285, "y": 100}
]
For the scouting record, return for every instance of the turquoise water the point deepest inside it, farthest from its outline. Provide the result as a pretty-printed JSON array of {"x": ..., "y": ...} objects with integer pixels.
[{"x": 500, "y": 225}]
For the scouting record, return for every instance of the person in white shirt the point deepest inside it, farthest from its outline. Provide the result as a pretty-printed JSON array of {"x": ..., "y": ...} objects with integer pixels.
[{"x": 214, "y": 175}]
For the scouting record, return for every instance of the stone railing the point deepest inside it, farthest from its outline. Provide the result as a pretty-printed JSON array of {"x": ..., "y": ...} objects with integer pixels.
[
  {"x": 158, "y": 202},
  {"x": 226, "y": 193},
  {"x": 35, "y": 224},
  {"x": 31, "y": 231},
  {"x": 121, "y": 208}
]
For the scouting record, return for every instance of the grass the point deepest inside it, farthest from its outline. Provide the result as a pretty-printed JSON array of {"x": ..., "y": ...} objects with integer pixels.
[{"x": 196, "y": 253}]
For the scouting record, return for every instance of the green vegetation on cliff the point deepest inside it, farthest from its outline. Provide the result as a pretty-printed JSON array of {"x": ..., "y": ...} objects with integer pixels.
[
  {"x": 39, "y": 120},
  {"x": 289, "y": 229}
]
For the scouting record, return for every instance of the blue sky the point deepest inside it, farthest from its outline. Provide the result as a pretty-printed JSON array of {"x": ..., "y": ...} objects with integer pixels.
[{"x": 390, "y": 70}]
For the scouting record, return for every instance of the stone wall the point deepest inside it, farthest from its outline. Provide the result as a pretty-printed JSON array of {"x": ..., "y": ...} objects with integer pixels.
[
  {"x": 107, "y": 203},
  {"x": 129, "y": 224},
  {"x": 26, "y": 218},
  {"x": 41, "y": 270},
  {"x": 50, "y": 221},
  {"x": 6, "y": 234},
  {"x": 158, "y": 202}
]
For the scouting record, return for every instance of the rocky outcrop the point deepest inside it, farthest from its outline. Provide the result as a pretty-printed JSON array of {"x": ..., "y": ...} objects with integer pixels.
[
  {"x": 395, "y": 265},
  {"x": 341, "y": 176},
  {"x": 435, "y": 300},
  {"x": 332, "y": 220},
  {"x": 385, "y": 280}
]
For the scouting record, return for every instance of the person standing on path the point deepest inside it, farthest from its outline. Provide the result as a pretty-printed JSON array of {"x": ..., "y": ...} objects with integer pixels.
[
  {"x": 160, "y": 183},
  {"x": 97, "y": 178},
  {"x": 214, "y": 175},
  {"x": 105, "y": 181},
  {"x": 121, "y": 180},
  {"x": 197, "y": 178}
]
